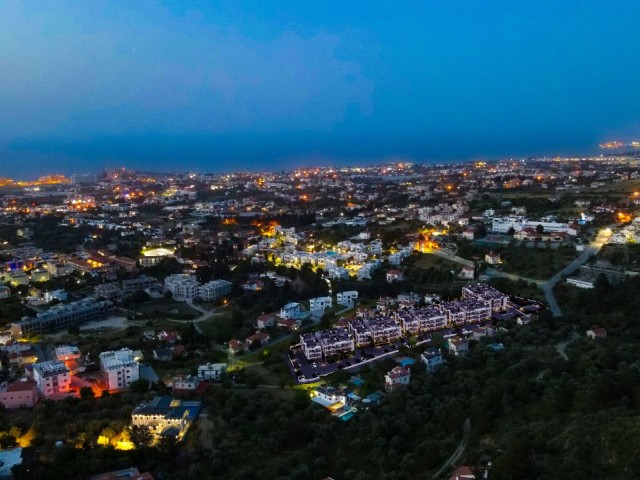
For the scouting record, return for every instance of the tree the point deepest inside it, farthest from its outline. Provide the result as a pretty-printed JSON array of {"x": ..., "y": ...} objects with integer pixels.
[
  {"x": 7, "y": 441},
  {"x": 141, "y": 436},
  {"x": 511, "y": 232},
  {"x": 86, "y": 393},
  {"x": 540, "y": 228},
  {"x": 139, "y": 386}
]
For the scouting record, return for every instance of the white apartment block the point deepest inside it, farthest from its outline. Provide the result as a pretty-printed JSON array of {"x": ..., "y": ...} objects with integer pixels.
[
  {"x": 338, "y": 273},
  {"x": 375, "y": 330},
  {"x": 518, "y": 222},
  {"x": 182, "y": 286},
  {"x": 326, "y": 343},
  {"x": 481, "y": 291},
  {"x": 467, "y": 311},
  {"x": 214, "y": 289},
  {"x": 384, "y": 330},
  {"x": 120, "y": 368},
  {"x": 336, "y": 341},
  {"x": 347, "y": 299},
  {"x": 311, "y": 346},
  {"x": 212, "y": 371},
  {"x": 290, "y": 310},
  {"x": 52, "y": 377},
  {"x": 425, "y": 319},
  {"x": 320, "y": 303},
  {"x": 188, "y": 383},
  {"x": 432, "y": 359},
  {"x": 360, "y": 332}
]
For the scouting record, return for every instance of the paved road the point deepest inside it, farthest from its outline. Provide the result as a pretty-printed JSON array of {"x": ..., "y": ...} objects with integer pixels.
[
  {"x": 593, "y": 249},
  {"x": 466, "y": 430},
  {"x": 547, "y": 286}
]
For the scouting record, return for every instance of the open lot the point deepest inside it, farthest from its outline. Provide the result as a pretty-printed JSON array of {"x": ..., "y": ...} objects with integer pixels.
[
  {"x": 536, "y": 263},
  {"x": 166, "y": 308}
]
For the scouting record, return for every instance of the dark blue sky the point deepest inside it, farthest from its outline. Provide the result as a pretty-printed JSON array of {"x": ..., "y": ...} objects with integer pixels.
[{"x": 212, "y": 86}]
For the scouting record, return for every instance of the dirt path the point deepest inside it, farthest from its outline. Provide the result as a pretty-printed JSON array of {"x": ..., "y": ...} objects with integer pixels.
[
  {"x": 560, "y": 347},
  {"x": 466, "y": 430}
]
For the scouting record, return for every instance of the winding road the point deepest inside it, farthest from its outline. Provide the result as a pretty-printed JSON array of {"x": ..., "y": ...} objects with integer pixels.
[{"x": 547, "y": 286}]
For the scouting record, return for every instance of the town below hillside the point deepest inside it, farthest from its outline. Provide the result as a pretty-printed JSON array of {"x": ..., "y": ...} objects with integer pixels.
[{"x": 396, "y": 321}]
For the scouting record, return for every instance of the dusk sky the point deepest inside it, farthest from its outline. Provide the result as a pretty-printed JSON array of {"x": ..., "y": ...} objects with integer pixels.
[{"x": 214, "y": 86}]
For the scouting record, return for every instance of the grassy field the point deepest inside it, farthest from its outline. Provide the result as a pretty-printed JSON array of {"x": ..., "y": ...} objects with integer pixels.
[
  {"x": 536, "y": 262},
  {"x": 619, "y": 188},
  {"x": 163, "y": 307},
  {"x": 432, "y": 261}
]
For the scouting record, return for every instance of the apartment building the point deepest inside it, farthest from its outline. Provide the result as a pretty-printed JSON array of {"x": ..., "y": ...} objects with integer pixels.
[
  {"x": 311, "y": 346},
  {"x": 335, "y": 342},
  {"x": 183, "y": 286},
  {"x": 483, "y": 292},
  {"x": 384, "y": 330},
  {"x": 19, "y": 394},
  {"x": 119, "y": 368},
  {"x": 467, "y": 311},
  {"x": 166, "y": 416},
  {"x": 320, "y": 303},
  {"x": 214, "y": 290},
  {"x": 421, "y": 319},
  {"x": 143, "y": 282},
  {"x": 326, "y": 343},
  {"x": 360, "y": 331},
  {"x": 347, "y": 299},
  {"x": 62, "y": 316},
  {"x": 432, "y": 359},
  {"x": 52, "y": 377},
  {"x": 212, "y": 371},
  {"x": 290, "y": 310}
]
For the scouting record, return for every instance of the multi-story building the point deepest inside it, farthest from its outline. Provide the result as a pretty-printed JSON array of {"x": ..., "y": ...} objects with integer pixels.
[
  {"x": 384, "y": 330},
  {"x": 109, "y": 291},
  {"x": 467, "y": 311},
  {"x": 476, "y": 310},
  {"x": 458, "y": 346},
  {"x": 166, "y": 416},
  {"x": 40, "y": 275},
  {"x": 360, "y": 332},
  {"x": 19, "y": 394},
  {"x": 336, "y": 341},
  {"x": 183, "y": 286},
  {"x": 422, "y": 319},
  {"x": 311, "y": 346},
  {"x": 187, "y": 383},
  {"x": 432, "y": 359},
  {"x": 52, "y": 377},
  {"x": 142, "y": 282},
  {"x": 320, "y": 303},
  {"x": 456, "y": 315},
  {"x": 57, "y": 269},
  {"x": 290, "y": 310},
  {"x": 481, "y": 291},
  {"x": 62, "y": 316},
  {"x": 396, "y": 378},
  {"x": 120, "y": 368},
  {"x": 212, "y": 371},
  {"x": 347, "y": 299},
  {"x": 65, "y": 353},
  {"x": 214, "y": 289},
  {"x": 326, "y": 343}
]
